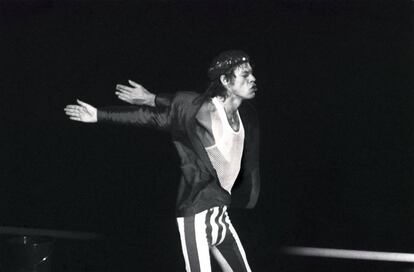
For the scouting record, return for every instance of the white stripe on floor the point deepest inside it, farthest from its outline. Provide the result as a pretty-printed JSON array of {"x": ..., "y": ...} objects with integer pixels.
[{"x": 350, "y": 254}]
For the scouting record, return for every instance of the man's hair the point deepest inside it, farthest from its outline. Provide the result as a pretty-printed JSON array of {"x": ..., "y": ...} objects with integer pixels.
[
  {"x": 224, "y": 64},
  {"x": 216, "y": 88}
]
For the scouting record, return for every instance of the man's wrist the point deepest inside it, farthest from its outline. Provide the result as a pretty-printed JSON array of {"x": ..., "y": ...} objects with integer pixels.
[{"x": 151, "y": 100}]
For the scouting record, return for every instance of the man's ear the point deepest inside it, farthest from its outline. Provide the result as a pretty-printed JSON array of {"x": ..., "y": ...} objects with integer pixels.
[{"x": 224, "y": 80}]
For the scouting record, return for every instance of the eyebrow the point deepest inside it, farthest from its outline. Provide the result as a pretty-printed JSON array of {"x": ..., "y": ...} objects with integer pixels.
[{"x": 247, "y": 71}]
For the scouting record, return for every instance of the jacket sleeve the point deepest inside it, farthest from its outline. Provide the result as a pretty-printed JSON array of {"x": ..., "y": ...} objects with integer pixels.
[
  {"x": 143, "y": 116},
  {"x": 163, "y": 100}
]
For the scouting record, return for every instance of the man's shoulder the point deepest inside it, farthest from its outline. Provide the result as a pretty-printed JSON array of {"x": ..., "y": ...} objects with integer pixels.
[
  {"x": 186, "y": 95},
  {"x": 166, "y": 99},
  {"x": 186, "y": 98}
]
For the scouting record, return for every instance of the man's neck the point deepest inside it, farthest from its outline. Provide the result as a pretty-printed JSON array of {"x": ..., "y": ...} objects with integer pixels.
[{"x": 232, "y": 103}]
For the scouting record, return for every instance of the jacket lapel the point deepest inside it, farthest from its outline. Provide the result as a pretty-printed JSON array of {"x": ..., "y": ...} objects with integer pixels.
[{"x": 191, "y": 127}]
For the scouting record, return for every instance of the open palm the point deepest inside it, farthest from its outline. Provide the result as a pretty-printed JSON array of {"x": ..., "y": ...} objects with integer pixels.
[
  {"x": 136, "y": 94},
  {"x": 82, "y": 112}
]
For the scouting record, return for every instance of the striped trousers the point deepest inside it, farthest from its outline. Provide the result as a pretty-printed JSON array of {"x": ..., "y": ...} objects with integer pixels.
[{"x": 211, "y": 231}]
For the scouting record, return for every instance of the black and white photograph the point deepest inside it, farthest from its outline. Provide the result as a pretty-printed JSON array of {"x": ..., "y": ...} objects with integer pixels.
[{"x": 207, "y": 136}]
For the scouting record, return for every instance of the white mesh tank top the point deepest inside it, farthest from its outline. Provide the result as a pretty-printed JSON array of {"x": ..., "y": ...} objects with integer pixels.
[{"x": 225, "y": 155}]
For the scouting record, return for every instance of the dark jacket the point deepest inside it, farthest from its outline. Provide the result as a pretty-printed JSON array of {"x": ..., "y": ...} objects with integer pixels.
[{"x": 199, "y": 187}]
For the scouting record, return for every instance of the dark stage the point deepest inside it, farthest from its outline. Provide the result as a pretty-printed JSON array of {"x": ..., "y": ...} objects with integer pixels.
[{"x": 335, "y": 103}]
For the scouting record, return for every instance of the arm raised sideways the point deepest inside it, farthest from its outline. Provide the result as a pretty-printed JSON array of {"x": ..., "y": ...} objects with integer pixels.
[
  {"x": 144, "y": 116},
  {"x": 136, "y": 94}
]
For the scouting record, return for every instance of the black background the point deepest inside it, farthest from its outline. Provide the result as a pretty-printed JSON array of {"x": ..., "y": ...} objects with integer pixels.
[{"x": 335, "y": 102}]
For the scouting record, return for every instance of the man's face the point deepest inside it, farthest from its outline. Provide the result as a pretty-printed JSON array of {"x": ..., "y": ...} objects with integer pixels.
[{"x": 243, "y": 85}]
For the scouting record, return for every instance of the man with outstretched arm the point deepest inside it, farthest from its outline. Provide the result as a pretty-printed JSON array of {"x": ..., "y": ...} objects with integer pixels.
[{"x": 216, "y": 135}]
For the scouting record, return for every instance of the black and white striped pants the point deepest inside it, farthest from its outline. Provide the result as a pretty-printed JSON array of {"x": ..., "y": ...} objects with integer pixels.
[{"x": 211, "y": 231}]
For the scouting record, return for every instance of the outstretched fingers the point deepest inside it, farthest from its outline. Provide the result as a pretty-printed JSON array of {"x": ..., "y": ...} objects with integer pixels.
[
  {"x": 123, "y": 88},
  {"x": 75, "y": 111},
  {"x": 82, "y": 112},
  {"x": 133, "y": 83},
  {"x": 124, "y": 97},
  {"x": 75, "y": 118},
  {"x": 123, "y": 93},
  {"x": 71, "y": 108},
  {"x": 83, "y": 104},
  {"x": 72, "y": 111}
]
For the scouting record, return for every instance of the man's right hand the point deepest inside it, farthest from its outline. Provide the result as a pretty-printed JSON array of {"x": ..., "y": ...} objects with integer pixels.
[
  {"x": 136, "y": 94},
  {"x": 82, "y": 112}
]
